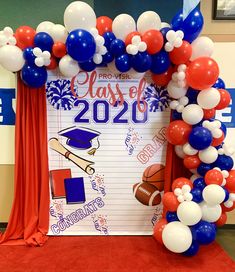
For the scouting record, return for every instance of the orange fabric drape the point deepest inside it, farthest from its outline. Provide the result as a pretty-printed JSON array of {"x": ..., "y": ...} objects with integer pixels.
[{"x": 29, "y": 219}]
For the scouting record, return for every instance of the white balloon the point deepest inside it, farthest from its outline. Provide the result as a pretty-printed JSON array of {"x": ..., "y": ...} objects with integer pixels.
[
  {"x": 194, "y": 177},
  {"x": 192, "y": 114},
  {"x": 59, "y": 33},
  {"x": 68, "y": 66},
  {"x": 45, "y": 26},
  {"x": 164, "y": 24},
  {"x": 39, "y": 61},
  {"x": 122, "y": 25},
  {"x": 11, "y": 58},
  {"x": 175, "y": 91},
  {"x": 179, "y": 151},
  {"x": 79, "y": 14},
  {"x": 209, "y": 98},
  {"x": 97, "y": 58},
  {"x": 213, "y": 194},
  {"x": 189, "y": 150},
  {"x": 177, "y": 237},
  {"x": 189, "y": 213},
  {"x": 148, "y": 20},
  {"x": 37, "y": 52},
  {"x": 202, "y": 47},
  {"x": 171, "y": 36},
  {"x": 208, "y": 155},
  {"x": 210, "y": 213}
]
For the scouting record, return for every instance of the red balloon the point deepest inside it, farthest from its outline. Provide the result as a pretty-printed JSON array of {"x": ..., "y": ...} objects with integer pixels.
[
  {"x": 178, "y": 132},
  {"x": 180, "y": 182},
  {"x": 170, "y": 201},
  {"x": 202, "y": 73},
  {"x": 154, "y": 40},
  {"x": 218, "y": 141},
  {"x": 53, "y": 64},
  {"x": 129, "y": 37},
  {"x": 224, "y": 99},
  {"x": 25, "y": 37},
  {"x": 214, "y": 176},
  {"x": 158, "y": 228},
  {"x": 225, "y": 209},
  {"x": 230, "y": 181},
  {"x": 59, "y": 49},
  {"x": 162, "y": 79},
  {"x": 104, "y": 24},
  {"x": 181, "y": 54},
  {"x": 208, "y": 114},
  {"x": 192, "y": 162},
  {"x": 222, "y": 220}
]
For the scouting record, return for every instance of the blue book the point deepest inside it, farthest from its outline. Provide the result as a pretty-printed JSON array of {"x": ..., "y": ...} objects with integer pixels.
[{"x": 74, "y": 190}]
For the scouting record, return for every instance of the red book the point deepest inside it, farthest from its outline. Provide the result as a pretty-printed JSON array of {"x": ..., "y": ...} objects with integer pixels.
[{"x": 57, "y": 178}]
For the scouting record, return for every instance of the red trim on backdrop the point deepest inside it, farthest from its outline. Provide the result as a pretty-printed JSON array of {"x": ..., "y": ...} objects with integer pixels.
[{"x": 29, "y": 219}]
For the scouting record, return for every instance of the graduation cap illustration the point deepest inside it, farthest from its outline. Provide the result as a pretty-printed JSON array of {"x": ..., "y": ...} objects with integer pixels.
[{"x": 81, "y": 138}]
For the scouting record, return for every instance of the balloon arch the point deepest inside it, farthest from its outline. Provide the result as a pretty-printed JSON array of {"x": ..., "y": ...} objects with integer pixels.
[{"x": 178, "y": 59}]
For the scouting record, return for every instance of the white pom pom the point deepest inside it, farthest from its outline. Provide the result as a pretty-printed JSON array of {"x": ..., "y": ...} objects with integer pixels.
[
  {"x": 168, "y": 47},
  {"x": 39, "y": 61},
  {"x": 37, "y": 52},
  {"x": 142, "y": 47},
  {"x": 178, "y": 192},
  {"x": 171, "y": 36},
  {"x": 97, "y": 58},
  {"x": 178, "y": 42},
  {"x": 184, "y": 100},
  {"x": 180, "y": 198},
  {"x": 136, "y": 40}
]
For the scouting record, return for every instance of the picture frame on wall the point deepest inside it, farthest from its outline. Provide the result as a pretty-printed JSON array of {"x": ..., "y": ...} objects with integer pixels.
[{"x": 224, "y": 10}]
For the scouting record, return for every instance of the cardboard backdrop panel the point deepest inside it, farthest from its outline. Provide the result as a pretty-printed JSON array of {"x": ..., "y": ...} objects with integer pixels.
[{"x": 100, "y": 142}]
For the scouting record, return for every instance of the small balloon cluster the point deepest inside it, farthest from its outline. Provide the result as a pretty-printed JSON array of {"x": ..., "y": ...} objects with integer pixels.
[{"x": 195, "y": 207}]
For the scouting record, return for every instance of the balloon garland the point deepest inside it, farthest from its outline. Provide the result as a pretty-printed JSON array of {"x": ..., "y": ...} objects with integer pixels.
[{"x": 178, "y": 59}]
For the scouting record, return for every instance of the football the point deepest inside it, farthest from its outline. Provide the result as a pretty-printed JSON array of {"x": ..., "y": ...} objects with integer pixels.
[
  {"x": 147, "y": 194},
  {"x": 154, "y": 174}
]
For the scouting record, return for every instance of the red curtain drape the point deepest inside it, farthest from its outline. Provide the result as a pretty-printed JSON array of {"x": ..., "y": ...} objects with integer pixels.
[{"x": 29, "y": 219}]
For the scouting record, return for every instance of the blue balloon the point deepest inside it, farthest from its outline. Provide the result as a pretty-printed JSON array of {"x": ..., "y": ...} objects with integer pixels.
[
  {"x": 197, "y": 195},
  {"x": 107, "y": 58},
  {"x": 88, "y": 66},
  {"x": 141, "y": 62},
  {"x": 219, "y": 84},
  {"x": 199, "y": 183},
  {"x": 192, "y": 95},
  {"x": 29, "y": 56},
  {"x": 200, "y": 138},
  {"x": 171, "y": 216},
  {"x": 224, "y": 162},
  {"x": 80, "y": 45},
  {"x": 117, "y": 47},
  {"x": 108, "y": 38},
  {"x": 176, "y": 115},
  {"x": 223, "y": 128},
  {"x": 193, "y": 249},
  {"x": 123, "y": 63},
  {"x": 203, "y": 168},
  {"x": 164, "y": 30},
  {"x": 160, "y": 62},
  {"x": 34, "y": 76},
  {"x": 204, "y": 232},
  {"x": 191, "y": 26},
  {"x": 226, "y": 194},
  {"x": 44, "y": 41}
]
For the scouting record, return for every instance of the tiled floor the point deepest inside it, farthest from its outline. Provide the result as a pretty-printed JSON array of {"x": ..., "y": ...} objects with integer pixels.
[{"x": 225, "y": 237}]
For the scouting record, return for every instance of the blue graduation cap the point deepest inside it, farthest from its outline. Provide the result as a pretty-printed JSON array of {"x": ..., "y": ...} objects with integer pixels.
[{"x": 80, "y": 138}]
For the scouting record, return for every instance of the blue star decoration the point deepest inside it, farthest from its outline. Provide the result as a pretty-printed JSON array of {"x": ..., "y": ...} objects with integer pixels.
[
  {"x": 59, "y": 94},
  {"x": 156, "y": 97}
]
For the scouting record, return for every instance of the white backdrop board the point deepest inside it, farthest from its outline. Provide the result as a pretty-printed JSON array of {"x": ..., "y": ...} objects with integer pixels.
[{"x": 109, "y": 124}]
